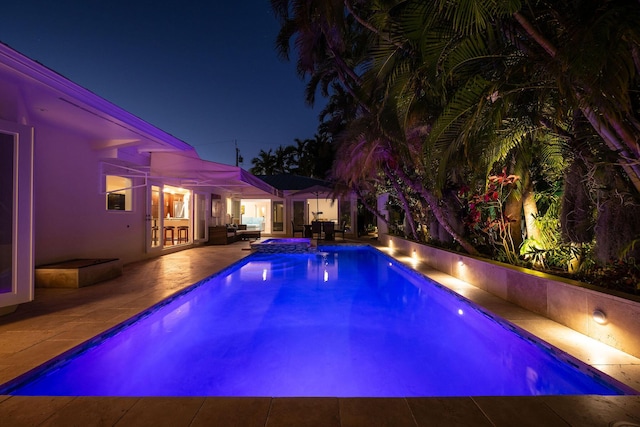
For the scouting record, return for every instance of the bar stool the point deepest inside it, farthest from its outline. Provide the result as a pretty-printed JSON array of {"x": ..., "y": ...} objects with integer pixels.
[
  {"x": 154, "y": 234},
  {"x": 168, "y": 234},
  {"x": 183, "y": 234}
]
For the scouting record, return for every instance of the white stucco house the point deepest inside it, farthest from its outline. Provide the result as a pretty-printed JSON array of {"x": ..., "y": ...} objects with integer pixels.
[{"x": 82, "y": 178}]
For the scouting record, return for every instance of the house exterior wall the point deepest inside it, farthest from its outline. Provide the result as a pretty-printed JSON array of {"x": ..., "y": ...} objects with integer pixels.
[
  {"x": 71, "y": 219},
  {"x": 78, "y": 138}
]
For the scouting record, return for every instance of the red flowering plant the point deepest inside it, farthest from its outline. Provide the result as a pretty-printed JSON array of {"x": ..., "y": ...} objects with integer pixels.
[{"x": 486, "y": 219}]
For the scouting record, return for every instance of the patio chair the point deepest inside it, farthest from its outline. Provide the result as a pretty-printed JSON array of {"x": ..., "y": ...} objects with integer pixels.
[
  {"x": 316, "y": 228},
  {"x": 342, "y": 229},
  {"x": 328, "y": 228},
  {"x": 295, "y": 230}
]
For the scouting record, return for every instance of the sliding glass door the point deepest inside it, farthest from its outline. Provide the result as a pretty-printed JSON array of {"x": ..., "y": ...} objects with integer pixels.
[
  {"x": 7, "y": 205},
  {"x": 16, "y": 215}
]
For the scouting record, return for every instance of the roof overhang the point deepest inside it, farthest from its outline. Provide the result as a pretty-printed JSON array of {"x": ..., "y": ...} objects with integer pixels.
[
  {"x": 34, "y": 94},
  {"x": 189, "y": 171}
]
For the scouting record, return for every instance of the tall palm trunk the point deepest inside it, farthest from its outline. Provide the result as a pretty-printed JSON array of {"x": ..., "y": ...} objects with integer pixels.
[
  {"x": 523, "y": 204},
  {"x": 513, "y": 211},
  {"x": 371, "y": 208},
  {"x": 405, "y": 203},
  {"x": 438, "y": 211},
  {"x": 609, "y": 126},
  {"x": 530, "y": 209}
]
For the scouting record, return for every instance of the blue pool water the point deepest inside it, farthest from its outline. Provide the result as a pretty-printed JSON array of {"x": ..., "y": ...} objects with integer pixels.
[{"x": 342, "y": 322}]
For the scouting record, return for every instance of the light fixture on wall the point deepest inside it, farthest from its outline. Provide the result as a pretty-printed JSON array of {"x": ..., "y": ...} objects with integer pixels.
[{"x": 599, "y": 316}]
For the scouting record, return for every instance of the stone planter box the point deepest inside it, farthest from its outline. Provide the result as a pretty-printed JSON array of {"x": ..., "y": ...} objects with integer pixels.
[
  {"x": 77, "y": 273},
  {"x": 568, "y": 302}
]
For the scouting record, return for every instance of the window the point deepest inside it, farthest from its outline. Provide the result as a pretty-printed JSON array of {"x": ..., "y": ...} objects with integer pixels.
[
  {"x": 16, "y": 214},
  {"x": 119, "y": 193},
  {"x": 176, "y": 202},
  {"x": 298, "y": 212},
  {"x": 278, "y": 216}
]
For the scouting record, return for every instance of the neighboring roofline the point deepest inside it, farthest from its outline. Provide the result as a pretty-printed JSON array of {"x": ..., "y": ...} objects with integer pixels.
[
  {"x": 253, "y": 180},
  {"x": 56, "y": 81}
]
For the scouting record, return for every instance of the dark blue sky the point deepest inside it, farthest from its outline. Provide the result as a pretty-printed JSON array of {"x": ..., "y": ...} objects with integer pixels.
[{"x": 204, "y": 71}]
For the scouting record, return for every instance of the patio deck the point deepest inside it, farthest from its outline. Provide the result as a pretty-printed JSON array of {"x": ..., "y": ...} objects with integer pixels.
[{"x": 60, "y": 319}]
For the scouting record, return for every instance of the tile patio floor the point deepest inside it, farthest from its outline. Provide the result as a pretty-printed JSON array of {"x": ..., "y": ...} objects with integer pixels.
[{"x": 60, "y": 319}]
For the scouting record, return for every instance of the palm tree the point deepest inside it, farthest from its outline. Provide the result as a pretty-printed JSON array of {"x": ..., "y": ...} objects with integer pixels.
[
  {"x": 326, "y": 45},
  {"x": 283, "y": 159},
  {"x": 464, "y": 71},
  {"x": 591, "y": 48},
  {"x": 298, "y": 154},
  {"x": 476, "y": 62},
  {"x": 264, "y": 164}
]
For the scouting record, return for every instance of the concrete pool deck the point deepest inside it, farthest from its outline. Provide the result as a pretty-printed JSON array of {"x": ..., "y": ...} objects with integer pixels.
[{"x": 60, "y": 319}]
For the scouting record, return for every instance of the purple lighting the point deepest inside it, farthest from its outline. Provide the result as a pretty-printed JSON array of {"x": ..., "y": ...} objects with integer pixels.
[{"x": 344, "y": 322}]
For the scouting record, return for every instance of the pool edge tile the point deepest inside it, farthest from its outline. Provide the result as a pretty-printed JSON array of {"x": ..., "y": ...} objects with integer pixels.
[
  {"x": 360, "y": 411},
  {"x": 170, "y": 411},
  {"x": 233, "y": 411},
  {"x": 301, "y": 412},
  {"x": 449, "y": 411}
]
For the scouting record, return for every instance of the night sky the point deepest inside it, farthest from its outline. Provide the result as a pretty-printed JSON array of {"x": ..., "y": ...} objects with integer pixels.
[{"x": 206, "y": 72}]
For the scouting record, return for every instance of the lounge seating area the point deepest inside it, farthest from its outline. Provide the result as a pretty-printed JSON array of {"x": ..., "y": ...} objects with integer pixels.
[{"x": 227, "y": 234}]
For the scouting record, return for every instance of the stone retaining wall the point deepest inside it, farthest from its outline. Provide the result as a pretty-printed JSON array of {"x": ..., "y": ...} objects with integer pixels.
[{"x": 568, "y": 302}]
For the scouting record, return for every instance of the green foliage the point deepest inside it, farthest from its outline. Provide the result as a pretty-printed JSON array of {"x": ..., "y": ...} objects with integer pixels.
[
  {"x": 487, "y": 219},
  {"x": 619, "y": 275},
  {"x": 309, "y": 157},
  {"x": 429, "y": 95}
]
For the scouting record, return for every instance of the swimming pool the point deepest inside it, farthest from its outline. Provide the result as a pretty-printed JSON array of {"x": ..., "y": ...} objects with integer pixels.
[{"x": 341, "y": 322}]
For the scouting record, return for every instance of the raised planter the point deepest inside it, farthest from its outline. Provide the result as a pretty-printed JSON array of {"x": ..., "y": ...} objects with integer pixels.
[
  {"x": 77, "y": 273},
  {"x": 568, "y": 302}
]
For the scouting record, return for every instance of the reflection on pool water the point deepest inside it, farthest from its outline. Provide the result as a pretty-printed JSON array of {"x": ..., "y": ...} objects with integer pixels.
[{"x": 341, "y": 322}]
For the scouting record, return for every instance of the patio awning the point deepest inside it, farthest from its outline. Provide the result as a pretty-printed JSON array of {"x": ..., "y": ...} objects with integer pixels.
[{"x": 192, "y": 171}]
